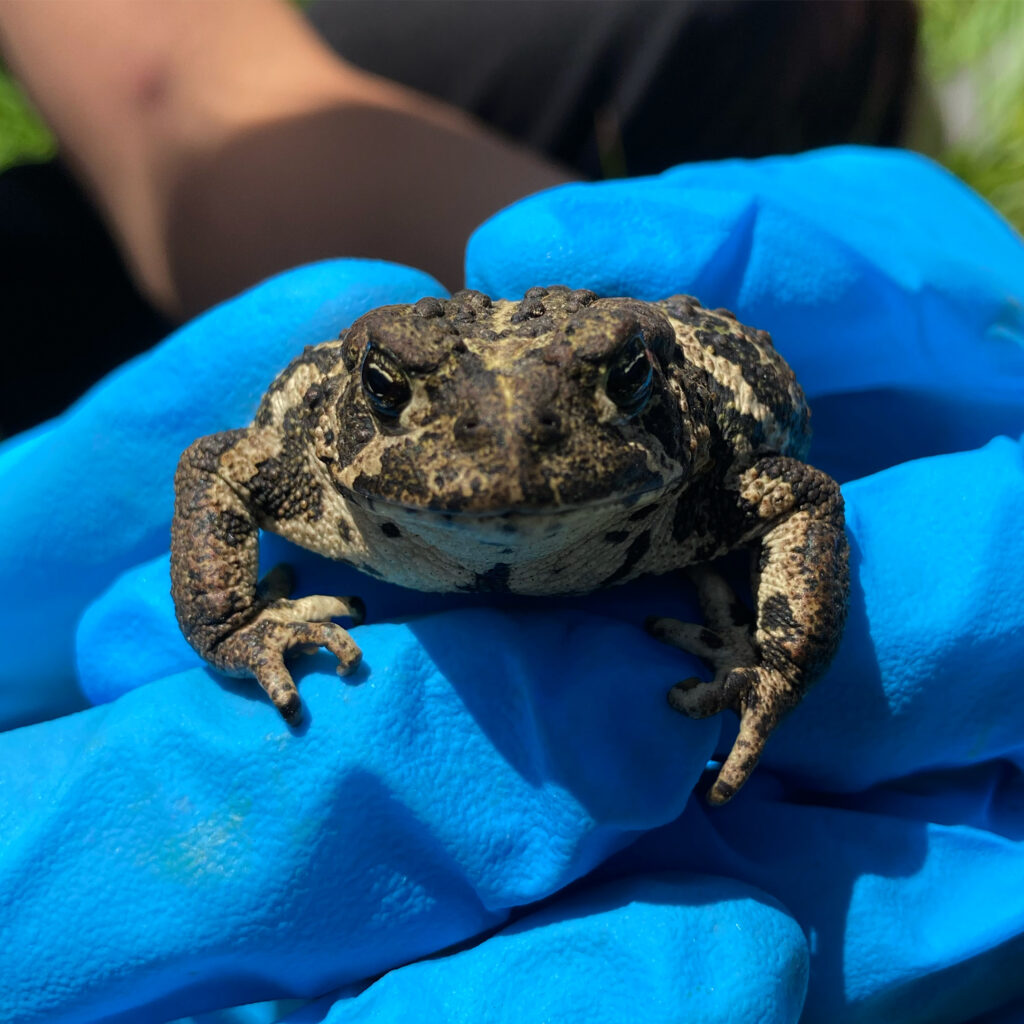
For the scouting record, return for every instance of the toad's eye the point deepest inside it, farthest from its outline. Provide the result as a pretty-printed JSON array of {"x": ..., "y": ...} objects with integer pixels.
[
  {"x": 385, "y": 383},
  {"x": 630, "y": 377}
]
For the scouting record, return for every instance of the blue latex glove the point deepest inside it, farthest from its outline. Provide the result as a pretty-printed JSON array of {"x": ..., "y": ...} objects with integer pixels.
[{"x": 179, "y": 849}]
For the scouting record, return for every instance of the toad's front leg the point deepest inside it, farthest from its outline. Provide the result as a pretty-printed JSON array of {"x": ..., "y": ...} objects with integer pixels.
[
  {"x": 800, "y": 585},
  {"x": 239, "y": 627}
]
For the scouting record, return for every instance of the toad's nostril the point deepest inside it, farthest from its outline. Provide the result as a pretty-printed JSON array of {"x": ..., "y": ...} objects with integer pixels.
[
  {"x": 472, "y": 429},
  {"x": 548, "y": 430}
]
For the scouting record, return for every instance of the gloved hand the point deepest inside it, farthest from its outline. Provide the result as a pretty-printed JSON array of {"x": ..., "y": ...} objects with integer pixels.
[{"x": 180, "y": 849}]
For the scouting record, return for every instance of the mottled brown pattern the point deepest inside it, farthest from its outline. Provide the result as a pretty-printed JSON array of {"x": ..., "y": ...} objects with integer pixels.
[{"x": 553, "y": 445}]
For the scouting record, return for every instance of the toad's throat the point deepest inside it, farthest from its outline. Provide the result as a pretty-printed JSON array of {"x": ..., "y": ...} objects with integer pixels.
[{"x": 500, "y": 511}]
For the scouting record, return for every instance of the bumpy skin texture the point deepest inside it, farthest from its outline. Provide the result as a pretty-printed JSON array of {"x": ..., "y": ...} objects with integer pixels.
[{"x": 555, "y": 445}]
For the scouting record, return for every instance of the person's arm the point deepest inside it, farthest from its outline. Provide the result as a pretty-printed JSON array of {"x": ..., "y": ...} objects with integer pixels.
[{"x": 224, "y": 142}]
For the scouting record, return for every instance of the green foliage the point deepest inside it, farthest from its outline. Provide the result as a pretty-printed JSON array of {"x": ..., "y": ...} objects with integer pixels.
[
  {"x": 959, "y": 33},
  {"x": 23, "y": 136},
  {"x": 974, "y": 57}
]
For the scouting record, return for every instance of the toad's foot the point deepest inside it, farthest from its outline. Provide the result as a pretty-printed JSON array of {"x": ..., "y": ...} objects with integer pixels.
[
  {"x": 258, "y": 648},
  {"x": 760, "y": 695}
]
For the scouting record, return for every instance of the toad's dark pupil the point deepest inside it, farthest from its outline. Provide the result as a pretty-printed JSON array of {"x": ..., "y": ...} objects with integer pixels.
[
  {"x": 630, "y": 376},
  {"x": 385, "y": 384}
]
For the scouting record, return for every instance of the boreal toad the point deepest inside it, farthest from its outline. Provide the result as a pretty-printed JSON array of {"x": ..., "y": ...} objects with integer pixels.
[{"x": 554, "y": 445}]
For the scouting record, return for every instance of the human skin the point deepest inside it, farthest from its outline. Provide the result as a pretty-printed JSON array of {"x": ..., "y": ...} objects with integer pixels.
[{"x": 223, "y": 142}]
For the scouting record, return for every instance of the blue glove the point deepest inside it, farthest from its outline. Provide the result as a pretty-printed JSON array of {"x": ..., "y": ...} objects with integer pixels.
[{"x": 178, "y": 849}]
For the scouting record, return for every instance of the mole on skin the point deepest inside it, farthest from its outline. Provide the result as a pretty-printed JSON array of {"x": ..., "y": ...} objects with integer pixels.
[{"x": 549, "y": 446}]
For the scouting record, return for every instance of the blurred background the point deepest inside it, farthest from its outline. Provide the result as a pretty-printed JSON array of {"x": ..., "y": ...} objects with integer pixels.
[
  {"x": 971, "y": 59},
  {"x": 944, "y": 77}
]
